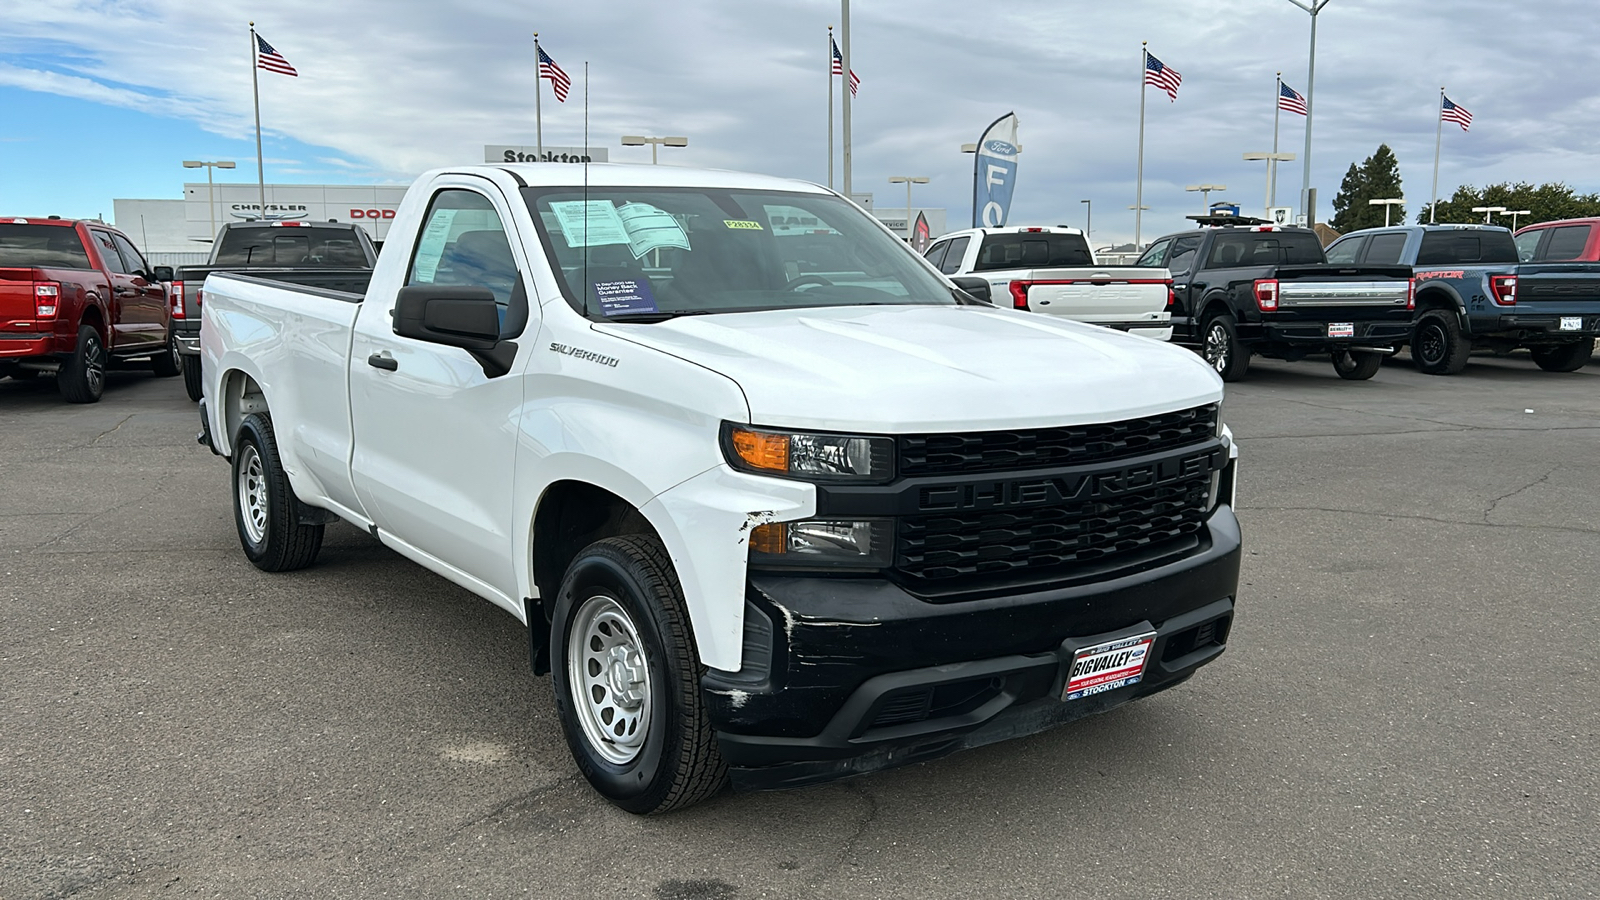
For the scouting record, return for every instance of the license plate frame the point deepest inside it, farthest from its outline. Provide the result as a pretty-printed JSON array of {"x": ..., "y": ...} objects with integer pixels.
[
  {"x": 1107, "y": 665},
  {"x": 1341, "y": 329},
  {"x": 1571, "y": 323}
]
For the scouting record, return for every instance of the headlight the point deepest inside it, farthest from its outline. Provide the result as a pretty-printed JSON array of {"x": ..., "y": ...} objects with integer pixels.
[
  {"x": 824, "y": 543},
  {"x": 809, "y": 456}
]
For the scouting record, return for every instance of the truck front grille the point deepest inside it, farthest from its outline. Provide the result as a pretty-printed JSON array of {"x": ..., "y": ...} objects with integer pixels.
[{"x": 965, "y": 453}]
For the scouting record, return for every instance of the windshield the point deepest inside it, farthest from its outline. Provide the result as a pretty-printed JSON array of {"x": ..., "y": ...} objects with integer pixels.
[
  {"x": 299, "y": 246},
  {"x": 45, "y": 246},
  {"x": 652, "y": 252}
]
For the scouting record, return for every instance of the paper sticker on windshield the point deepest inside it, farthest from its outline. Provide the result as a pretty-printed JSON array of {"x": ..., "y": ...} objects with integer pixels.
[
  {"x": 651, "y": 228},
  {"x": 744, "y": 224},
  {"x": 629, "y": 295},
  {"x": 593, "y": 223}
]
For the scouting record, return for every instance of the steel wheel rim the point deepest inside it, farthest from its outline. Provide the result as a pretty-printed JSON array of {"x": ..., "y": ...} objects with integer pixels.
[
  {"x": 1217, "y": 347},
  {"x": 1430, "y": 343},
  {"x": 94, "y": 365},
  {"x": 608, "y": 677},
  {"x": 252, "y": 495}
]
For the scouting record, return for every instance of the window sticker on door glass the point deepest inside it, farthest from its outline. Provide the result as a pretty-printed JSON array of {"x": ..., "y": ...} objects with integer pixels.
[
  {"x": 651, "y": 228},
  {"x": 431, "y": 247},
  {"x": 591, "y": 223},
  {"x": 626, "y": 295}
]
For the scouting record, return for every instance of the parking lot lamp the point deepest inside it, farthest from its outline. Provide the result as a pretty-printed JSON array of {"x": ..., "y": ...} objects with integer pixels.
[
  {"x": 1313, "y": 7},
  {"x": 1272, "y": 159},
  {"x": 908, "y": 181},
  {"x": 1488, "y": 212},
  {"x": 635, "y": 140},
  {"x": 1387, "y": 205},
  {"x": 211, "y": 205},
  {"x": 1513, "y": 213},
  {"x": 1205, "y": 194},
  {"x": 1088, "y": 219}
]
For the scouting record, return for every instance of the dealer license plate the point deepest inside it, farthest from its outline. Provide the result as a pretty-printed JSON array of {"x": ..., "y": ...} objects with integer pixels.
[
  {"x": 1572, "y": 323},
  {"x": 1341, "y": 329},
  {"x": 1108, "y": 666}
]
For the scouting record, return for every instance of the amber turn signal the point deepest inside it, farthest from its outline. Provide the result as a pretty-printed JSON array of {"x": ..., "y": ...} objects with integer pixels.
[{"x": 761, "y": 449}]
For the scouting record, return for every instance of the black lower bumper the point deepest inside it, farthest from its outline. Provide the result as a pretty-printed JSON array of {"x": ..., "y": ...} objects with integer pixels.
[
  {"x": 848, "y": 676},
  {"x": 1314, "y": 336},
  {"x": 1546, "y": 328}
]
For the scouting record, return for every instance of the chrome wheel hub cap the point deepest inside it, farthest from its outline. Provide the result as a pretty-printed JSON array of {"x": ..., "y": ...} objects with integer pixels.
[
  {"x": 1217, "y": 347},
  {"x": 253, "y": 495},
  {"x": 94, "y": 366},
  {"x": 609, "y": 679}
]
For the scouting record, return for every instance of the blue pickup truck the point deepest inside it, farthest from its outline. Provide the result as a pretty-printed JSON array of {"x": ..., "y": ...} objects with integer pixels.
[{"x": 1472, "y": 293}]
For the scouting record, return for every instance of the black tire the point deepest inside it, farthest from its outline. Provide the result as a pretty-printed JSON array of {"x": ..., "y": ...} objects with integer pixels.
[
  {"x": 1221, "y": 348},
  {"x": 265, "y": 510},
  {"x": 82, "y": 377},
  {"x": 191, "y": 377},
  {"x": 167, "y": 364},
  {"x": 1437, "y": 345},
  {"x": 1563, "y": 357},
  {"x": 665, "y": 755},
  {"x": 1356, "y": 365}
]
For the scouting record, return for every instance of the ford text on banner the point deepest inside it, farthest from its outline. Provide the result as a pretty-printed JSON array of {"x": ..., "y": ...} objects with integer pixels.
[{"x": 995, "y": 173}]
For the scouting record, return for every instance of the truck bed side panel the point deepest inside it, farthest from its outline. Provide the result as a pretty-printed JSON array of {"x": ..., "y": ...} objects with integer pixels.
[{"x": 296, "y": 346}]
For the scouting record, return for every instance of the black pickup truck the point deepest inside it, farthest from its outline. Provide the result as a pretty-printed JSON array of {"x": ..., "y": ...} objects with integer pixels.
[
  {"x": 1472, "y": 293},
  {"x": 337, "y": 256},
  {"x": 1265, "y": 289}
]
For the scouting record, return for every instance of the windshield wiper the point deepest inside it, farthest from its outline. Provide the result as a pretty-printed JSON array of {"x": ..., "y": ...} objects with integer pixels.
[{"x": 659, "y": 316}]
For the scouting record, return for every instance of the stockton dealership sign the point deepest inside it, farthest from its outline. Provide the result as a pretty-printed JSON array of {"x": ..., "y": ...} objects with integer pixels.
[
  {"x": 501, "y": 153},
  {"x": 371, "y": 206}
]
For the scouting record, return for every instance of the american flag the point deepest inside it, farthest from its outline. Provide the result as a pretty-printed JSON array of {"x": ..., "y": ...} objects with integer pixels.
[
  {"x": 559, "y": 82},
  {"x": 271, "y": 60},
  {"x": 1290, "y": 99},
  {"x": 1450, "y": 112},
  {"x": 1161, "y": 75},
  {"x": 838, "y": 69}
]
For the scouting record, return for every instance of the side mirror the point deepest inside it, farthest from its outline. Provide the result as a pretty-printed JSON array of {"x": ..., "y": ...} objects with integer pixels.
[
  {"x": 163, "y": 274},
  {"x": 465, "y": 317},
  {"x": 976, "y": 288}
]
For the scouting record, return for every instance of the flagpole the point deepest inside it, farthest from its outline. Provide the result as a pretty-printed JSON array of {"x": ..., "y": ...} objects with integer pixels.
[
  {"x": 830, "y": 107},
  {"x": 255, "y": 90},
  {"x": 538, "y": 102},
  {"x": 1438, "y": 138},
  {"x": 844, "y": 96},
  {"x": 1138, "y": 190},
  {"x": 1272, "y": 164}
]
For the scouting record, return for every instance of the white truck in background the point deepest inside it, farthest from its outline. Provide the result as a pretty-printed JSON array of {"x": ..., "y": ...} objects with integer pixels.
[
  {"x": 1053, "y": 271},
  {"x": 778, "y": 505}
]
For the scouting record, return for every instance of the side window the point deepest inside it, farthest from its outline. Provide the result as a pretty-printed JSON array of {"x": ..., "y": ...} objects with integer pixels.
[
  {"x": 1183, "y": 251},
  {"x": 131, "y": 259},
  {"x": 463, "y": 243},
  {"x": 1345, "y": 252},
  {"x": 935, "y": 253},
  {"x": 1385, "y": 249},
  {"x": 1566, "y": 243},
  {"x": 108, "y": 252},
  {"x": 952, "y": 260},
  {"x": 1156, "y": 255},
  {"x": 1527, "y": 243}
]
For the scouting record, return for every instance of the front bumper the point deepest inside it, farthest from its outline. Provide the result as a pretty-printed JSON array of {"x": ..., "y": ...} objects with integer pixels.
[{"x": 847, "y": 676}]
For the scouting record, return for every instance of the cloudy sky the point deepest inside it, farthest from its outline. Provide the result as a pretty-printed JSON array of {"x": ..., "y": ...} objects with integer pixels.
[{"x": 104, "y": 98}]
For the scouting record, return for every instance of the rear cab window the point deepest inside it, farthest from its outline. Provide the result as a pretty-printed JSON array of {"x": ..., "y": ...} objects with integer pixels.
[
  {"x": 1032, "y": 250},
  {"x": 25, "y": 246},
  {"x": 1471, "y": 248},
  {"x": 302, "y": 247},
  {"x": 1269, "y": 248}
]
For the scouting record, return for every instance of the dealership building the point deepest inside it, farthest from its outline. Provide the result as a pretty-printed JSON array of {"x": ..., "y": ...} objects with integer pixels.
[{"x": 179, "y": 232}]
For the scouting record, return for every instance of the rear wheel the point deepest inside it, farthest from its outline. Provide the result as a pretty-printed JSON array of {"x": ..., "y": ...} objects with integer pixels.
[
  {"x": 627, "y": 679},
  {"x": 1226, "y": 356},
  {"x": 169, "y": 363},
  {"x": 191, "y": 376},
  {"x": 1356, "y": 365},
  {"x": 1563, "y": 357},
  {"x": 265, "y": 509},
  {"x": 82, "y": 377},
  {"x": 1437, "y": 345}
]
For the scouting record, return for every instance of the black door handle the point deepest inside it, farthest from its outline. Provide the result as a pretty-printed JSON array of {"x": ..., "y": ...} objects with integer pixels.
[{"x": 383, "y": 361}]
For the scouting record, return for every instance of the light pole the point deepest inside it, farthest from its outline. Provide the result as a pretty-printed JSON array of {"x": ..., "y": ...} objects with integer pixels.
[
  {"x": 1205, "y": 193},
  {"x": 1088, "y": 219},
  {"x": 1137, "y": 208},
  {"x": 908, "y": 181},
  {"x": 1272, "y": 172},
  {"x": 1513, "y": 213},
  {"x": 635, "y": 140},
  {"x": 211, "y": 205},
  {"x": 1488, "y": 212},
  {"x": 1313, "y": 7},
  {"x": 1387, "y": 204}
]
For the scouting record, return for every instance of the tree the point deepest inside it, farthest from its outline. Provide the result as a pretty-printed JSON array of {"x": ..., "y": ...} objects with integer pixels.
[
  {"x": 1545, "y": 203},
  {"x": 1377, "y": 178}
]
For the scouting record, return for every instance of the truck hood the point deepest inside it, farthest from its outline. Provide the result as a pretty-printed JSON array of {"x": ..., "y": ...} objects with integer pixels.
[{"x": 905, "y": 369}]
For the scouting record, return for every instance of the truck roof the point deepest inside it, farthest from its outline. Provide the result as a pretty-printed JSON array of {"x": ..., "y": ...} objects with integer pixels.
[
  {"x": 1015, "y": 229},
  {"x": 1427, "y": 228},
  {"x": 50, "y": 220},
  {"x": 629, "y": 175}
]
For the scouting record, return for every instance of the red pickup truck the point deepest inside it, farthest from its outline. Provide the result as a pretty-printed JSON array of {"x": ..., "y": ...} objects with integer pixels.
[{"x": 75, "y": 295}]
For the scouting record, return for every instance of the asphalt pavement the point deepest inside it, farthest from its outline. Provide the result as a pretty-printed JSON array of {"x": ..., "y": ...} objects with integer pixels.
[{"x": 1409, "y": 705}]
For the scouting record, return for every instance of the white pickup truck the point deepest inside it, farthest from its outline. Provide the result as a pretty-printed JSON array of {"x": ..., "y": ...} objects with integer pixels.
[
  {"x": 1053, "y": 271},
  {"x": 765, "y": 525}
]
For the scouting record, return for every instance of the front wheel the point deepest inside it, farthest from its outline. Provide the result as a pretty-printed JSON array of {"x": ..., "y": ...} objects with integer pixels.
[
  {"x": 1222, "y": 351},
  {"x": 1356, "y": 365},
  {"x": 627, "y": 679},
  {"x": 1563, "y": 357},
  {"x": 265, "y": 509}
]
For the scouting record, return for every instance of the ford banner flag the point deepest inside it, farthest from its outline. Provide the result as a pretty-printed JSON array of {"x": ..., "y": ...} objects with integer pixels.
[{"x": 995, "y": 173}]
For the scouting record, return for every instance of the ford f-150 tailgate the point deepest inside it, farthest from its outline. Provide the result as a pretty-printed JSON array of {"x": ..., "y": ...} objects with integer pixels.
[
  {"x": 1122, "y": 297},
  {"x": 20, "y": 297}
]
